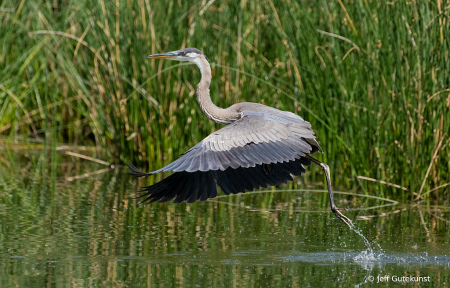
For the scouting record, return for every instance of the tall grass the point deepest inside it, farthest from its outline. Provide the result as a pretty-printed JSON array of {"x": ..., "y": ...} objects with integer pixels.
[{"x": 376, "y": 90}]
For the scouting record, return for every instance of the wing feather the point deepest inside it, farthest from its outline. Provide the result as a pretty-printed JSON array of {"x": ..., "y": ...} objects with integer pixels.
[
  {"x": 244, "y": 162},
  {"x": 254, "y": 139},
  {"x": 247, "y": 153},
  {"x": 250, "y": 149},
  {"x": 171, "y": 193},
  {"x": 195, "y": 188},
  {"x": 235, "y": 180},
  {"x": 210, "y": 185},
  {"x": 224, "y": 184},
  {"x": 268, "y": 156},
  {"x": 192, "y": 186},
  {"x": 183, "y": 193},
  {"x": 276, "y": 152}
]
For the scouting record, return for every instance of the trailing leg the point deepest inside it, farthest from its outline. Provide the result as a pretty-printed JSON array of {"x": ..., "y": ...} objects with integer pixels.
[{"x": 335, "y": 210}]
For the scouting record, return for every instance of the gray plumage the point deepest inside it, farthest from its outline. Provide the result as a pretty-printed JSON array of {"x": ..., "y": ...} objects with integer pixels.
[{"x": 261, "y": 146}]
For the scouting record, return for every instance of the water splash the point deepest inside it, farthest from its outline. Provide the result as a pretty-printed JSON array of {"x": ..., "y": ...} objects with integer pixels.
[
  {"x": 367, "y": 258},
  {"x": 368, "y": 255}
]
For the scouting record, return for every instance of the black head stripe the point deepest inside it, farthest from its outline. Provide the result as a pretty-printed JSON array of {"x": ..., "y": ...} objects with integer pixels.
[{"x": 193, "y": 50}]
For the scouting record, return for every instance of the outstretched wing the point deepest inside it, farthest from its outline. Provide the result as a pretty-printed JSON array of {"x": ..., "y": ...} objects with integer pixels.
[
  {"x": 258, "y": 150},
  {"x": 256, "y": 138},
  {"x": 193, "y": 186}
]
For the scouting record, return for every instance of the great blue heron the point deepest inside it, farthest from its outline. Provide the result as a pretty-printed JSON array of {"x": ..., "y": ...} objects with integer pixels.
[{"x": 260, "y": 146}]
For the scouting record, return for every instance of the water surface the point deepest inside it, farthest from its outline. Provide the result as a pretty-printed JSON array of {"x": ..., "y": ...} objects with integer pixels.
[{"x": 67, "y": 222}]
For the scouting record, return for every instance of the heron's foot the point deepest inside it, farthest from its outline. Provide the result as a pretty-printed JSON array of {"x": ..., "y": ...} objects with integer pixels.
[{"x": 342, "y": 217}]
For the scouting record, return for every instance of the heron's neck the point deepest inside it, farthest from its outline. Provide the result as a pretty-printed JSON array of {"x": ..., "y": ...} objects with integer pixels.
[{"x": 214, "y": 113}]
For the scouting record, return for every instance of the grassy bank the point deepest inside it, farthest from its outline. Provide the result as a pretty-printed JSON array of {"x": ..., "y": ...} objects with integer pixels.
[{"x": 376, "y": 90}]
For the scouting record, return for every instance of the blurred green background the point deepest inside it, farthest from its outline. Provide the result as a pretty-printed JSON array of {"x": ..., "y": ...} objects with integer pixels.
[{"x": 376, "y": 90}]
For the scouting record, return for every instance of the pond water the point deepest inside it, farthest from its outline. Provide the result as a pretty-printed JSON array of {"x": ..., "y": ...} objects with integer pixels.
[{"x": 66, "y": 222}]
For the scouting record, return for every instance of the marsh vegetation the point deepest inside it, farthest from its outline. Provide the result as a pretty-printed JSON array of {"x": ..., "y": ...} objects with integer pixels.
[{"x": 376, "y": 90}]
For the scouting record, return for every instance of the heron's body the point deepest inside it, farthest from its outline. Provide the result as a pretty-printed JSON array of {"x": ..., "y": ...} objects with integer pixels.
[{"x": 260, "y": 146}]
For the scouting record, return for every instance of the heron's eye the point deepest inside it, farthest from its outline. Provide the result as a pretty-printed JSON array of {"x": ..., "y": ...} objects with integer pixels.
[{"x": 184, "y": 53}]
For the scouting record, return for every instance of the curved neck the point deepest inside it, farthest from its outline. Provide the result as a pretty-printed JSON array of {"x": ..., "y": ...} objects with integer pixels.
[{"x": 214, "y": 113}]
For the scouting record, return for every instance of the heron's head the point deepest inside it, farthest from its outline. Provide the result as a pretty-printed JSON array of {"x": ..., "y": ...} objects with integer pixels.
[{"x": 186, "y": 54}]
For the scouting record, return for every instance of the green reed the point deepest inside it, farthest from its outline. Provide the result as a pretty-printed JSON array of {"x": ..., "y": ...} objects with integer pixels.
[{"x": 376, "y": 90}]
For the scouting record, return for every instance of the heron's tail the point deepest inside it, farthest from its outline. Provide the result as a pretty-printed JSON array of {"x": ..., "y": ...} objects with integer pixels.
[{"x": 135, "y": 172}]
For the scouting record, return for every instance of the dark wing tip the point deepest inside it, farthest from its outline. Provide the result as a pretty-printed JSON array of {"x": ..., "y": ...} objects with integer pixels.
[{"x": 135, "y": 172}]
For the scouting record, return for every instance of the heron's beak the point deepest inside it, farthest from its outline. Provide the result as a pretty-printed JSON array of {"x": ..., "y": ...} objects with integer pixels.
[{"x": 167, "y": 55}]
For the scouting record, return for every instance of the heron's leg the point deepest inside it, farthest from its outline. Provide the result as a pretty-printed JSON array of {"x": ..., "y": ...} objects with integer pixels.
[{"x": 335, "y": 210}]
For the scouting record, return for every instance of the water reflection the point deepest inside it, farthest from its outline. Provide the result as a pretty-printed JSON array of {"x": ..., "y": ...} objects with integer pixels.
[{"x": 90, "y": 232}]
